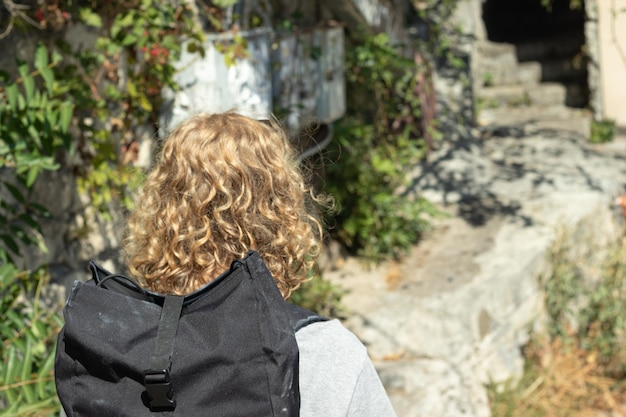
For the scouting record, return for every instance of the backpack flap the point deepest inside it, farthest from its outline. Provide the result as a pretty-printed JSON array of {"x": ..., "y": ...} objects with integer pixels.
[{"x": 233, "y": 351}]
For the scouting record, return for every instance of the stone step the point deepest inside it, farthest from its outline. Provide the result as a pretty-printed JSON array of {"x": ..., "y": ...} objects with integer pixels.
[
  {"x": 577, "y": 95},
  {"x": 497, "y": 64},
  {"x": 563, "y": 69},
  {"x": 504, "y": 64},
  {"x": 493, "y": 58},
  {"x": 496, "y": 51},
  {"x": 536, "y": 117},
  {"x": 561, "y": 45},
  {"x": 544, "y": 94},
  {"x": 491, "y": 73}
]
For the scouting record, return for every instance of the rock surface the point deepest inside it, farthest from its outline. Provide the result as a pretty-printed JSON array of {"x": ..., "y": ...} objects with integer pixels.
[{"x": 454, "y": 314}]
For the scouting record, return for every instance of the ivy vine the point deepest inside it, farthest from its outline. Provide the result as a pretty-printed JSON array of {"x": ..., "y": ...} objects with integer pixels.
[{"x": 77, "y": 108}]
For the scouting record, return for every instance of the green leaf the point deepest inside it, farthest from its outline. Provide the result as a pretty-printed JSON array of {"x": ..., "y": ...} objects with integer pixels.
[
  {"x": 224, "y": 3},
  {"x": 129, "y": 39},
  {"x": 37, "y": 329},
  {"x": 29, "y": 86},
  {"x": 36, "y": 103},
  {"x": 145, "y": 103},
  {"x": 45, "y": 372},
  {"x": 21, "y": 102},
  {"x": 383, "y": 165},
  {"x": 65, "y": 116},
  {"x": 15, "y": 192},
  {"x": 50, "y": 123},
  {"x": 22, "y": 69},
  {"x": 138, "y": 31},
  {"x": 19, "y": 233},
  {"x": 130, "y": 87},
  {"x": 42, "y": 211},
  {"x": 34, "y": 134},
  {"x": 26, "y": 371},
  {"x": 90, "y": 18},
  {"x": 127, "y": 20},
  {"x": 12, "y": 94},
  {"x": 41, "y": 57},
  {"x": 31, "y": 177},
  {"x": 11, "y": 367},
  {"x": 48, "y": 76},
  {"x": 49, "y": 164},
  {"x": 18, "y": 322},
  {"x": 115, "y": 30},
  {"x": 11, "y": 399},
  {"x": 7, "y": 271},
  {"x": 113, "y": 48},
  {"x": 10, "y": 243},
  {"x": 56, "y": 57}
]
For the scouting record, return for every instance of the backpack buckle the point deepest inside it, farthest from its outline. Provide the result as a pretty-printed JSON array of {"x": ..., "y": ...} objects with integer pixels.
[{"x": 159, "y": 389}]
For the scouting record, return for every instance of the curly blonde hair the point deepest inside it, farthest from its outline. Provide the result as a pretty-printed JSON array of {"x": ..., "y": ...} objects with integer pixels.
[{"x": 224, "y": 184}]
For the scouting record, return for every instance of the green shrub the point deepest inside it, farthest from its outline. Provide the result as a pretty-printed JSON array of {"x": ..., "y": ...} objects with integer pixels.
[
  {"x": 53, "y": 111},
  {"x": 28, "y": 333},
  {"x": 374, "y": 221},
  {"x": 562, "y": 287},
  {"x": 580, "y": 366},
  {"x": 593, "y": 313},
  {"x": 602, "y": 131},
  {"x": 35, "y": 116},
  {"x": 603, "y": 319},
  {"x": 319, "y": 295},
  {"x": 377, "y": 142}
]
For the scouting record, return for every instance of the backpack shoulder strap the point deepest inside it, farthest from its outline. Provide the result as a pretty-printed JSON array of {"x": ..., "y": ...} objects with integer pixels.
[
  {"x": 300, "y": 317},
  {"x": 297, "y": 316}
]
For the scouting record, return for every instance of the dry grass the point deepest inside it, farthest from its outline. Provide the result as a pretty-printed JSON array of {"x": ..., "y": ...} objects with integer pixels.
[
  {"x": 563, "y": 380},
  {"x": 575, "y": 372}
]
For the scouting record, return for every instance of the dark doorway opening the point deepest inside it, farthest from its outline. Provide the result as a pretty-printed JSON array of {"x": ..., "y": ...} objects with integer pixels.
[{"x": 553, "y": 37}]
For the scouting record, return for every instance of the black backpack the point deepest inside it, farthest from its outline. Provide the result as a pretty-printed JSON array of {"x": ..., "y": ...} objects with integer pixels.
[{"x": 226, "y": 350}]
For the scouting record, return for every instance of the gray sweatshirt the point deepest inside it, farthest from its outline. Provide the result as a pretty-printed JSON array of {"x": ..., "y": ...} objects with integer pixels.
[{"x": 337, "y": 378}]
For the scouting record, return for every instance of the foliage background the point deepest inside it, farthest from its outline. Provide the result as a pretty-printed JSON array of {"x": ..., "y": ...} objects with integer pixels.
[
  {"x": 80, "y": 112},
  {"x": 79, "y": 108}
]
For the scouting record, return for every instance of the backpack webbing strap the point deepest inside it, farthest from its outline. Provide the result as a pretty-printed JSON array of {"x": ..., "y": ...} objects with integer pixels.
[
  {"x": 157, "y": 378},
  {"x": 313, "y": 318}
]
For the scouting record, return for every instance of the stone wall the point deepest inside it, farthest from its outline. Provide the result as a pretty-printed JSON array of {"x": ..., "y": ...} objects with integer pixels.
[{"x": 611, "y": 26}]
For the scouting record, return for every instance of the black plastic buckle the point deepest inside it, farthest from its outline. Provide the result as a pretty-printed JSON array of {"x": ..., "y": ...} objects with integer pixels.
[{"x": 159, "y": 389}]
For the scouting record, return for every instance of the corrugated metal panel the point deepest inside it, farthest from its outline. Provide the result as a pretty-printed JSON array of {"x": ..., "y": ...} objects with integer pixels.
[
  {"x": 293, "y": 81},
  {"x": 299, "y": 76},
  {"x": 331, "y": 94},
  {"x": 308, "y": 76},
  {"x": 207, "y": 84}
]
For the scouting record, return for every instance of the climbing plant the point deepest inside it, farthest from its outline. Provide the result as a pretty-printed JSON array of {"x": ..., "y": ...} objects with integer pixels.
[
  {"x": 35, "y": 118},
  {"x": 133, "y": 60},
  {"x": 34, "y": 125},
  {"x": 381, "y": 137},
  {"x": 76, "y": 108},
  {"x": 389, "y": 128},
  {"x": 81, "y": 109},
  {"x": 27, "y": 333}
]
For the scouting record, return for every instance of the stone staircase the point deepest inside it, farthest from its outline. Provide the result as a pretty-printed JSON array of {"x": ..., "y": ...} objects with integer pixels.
[{"x": 511, "y": 94}]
